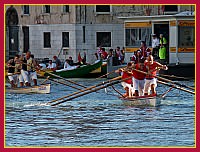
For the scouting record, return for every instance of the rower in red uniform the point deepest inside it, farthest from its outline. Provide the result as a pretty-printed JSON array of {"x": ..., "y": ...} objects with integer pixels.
[
  {"x": 139, "y": 78},
  {"x": 150, "y": 80},
  {"x": 145, "y": 51},
  {"x": 127, "y": 84}
]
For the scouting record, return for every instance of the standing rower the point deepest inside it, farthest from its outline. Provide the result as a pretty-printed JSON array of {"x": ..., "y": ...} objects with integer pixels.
[
  {"x": 150, "y": 80},
  {"x": 127, "y": 79},
  {"x": 28, "y": 72},
  {"x": 13, "y": 71},
  {"x": 139, "y": 78}
]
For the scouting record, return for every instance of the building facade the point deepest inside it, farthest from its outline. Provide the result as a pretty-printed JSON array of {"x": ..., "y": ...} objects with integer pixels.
[{"x": 66, "y": 30}]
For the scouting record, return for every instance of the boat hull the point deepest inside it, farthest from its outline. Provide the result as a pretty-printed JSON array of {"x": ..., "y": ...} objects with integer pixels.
[
  {"x": 150, "y": 100},
  {"x": 81, "y": 72},
  {"x": 42, "y": 89}
]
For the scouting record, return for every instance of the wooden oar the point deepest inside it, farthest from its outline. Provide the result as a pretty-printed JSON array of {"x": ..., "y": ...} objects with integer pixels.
[
  {"x": 90, "y": 91},
  {"x": 54, "y": 75},
  {"x": 64, "y": 84},
  {"x": 167, "y": 80},
  {"x": 13, "y": 74},
  {"x": 83, "y": 90},
  {"x": 176, "y": 87},
  {"x": 110, "y": 73},
  {"x": 106, "y": 74},
  {"x": 47, "y": 78}
]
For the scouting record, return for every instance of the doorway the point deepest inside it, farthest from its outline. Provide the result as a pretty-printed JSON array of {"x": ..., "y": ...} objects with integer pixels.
[{"x": 163, "y": 28}]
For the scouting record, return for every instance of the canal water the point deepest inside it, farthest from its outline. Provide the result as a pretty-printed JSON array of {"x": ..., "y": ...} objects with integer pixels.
[{"x": 99, "y": 119}]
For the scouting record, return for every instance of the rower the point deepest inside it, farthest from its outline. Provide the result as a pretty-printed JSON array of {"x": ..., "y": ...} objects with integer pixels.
[
  {"x": 127, "y": 84},
  {"x": 28, "y": 72},
  {"x": 139, "y": 78},
  {"x": 150, "y": 80},
  {"x": 13, "y": 71}
]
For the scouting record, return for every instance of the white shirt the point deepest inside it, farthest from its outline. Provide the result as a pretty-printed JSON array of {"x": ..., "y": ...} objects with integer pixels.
[
  {"x": 50, "y": 66},
  {"x": 155, "y": 42}
]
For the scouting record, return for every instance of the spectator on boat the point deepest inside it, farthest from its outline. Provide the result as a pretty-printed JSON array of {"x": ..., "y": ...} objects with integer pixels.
[
  {"x": 28, "y": 71},
  {"x": 71, "y": 62},
  {"x": 119, "y": 55},
  {"x": 139, "y": 78},
  {"x": 110, "y": 53},
  {"x": 122, "y": 55},
  {"x": 150, "y": 80},
  {"x": 104, "y": 54},
  {"x": 51, "y": 65},
  {"x": 58, "y": 62},
  {"x": 127, "y": 84},
  {"x": 145, "y": 51},
  {"x": 67, "y": 66},
  {"x": 98, "y": 53},
  {"x": 13, "y": 71},
  {"x": 163, "y": 49},
  {"x": 155, "y": 46}
]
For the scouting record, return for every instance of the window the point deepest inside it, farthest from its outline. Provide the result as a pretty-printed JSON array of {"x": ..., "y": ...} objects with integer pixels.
[
  {"x": 136, "y": 35},
  {"x": 25, "y": 9},
  {"x": 46, "y": 8},
  {"x": 186, "y": 37},
  {"x": 171, "y": 8},
  {"x": 65, "y": 39},
  {"x": 65, "y": 8},
  {"x": 47, "y": 40},
  {"x": 104, "y": 39},
  {"x": 103, "y": 8}
]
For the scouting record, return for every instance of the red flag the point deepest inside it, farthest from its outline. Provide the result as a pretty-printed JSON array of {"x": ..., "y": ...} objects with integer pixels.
[{"x": 79, "y": 57}]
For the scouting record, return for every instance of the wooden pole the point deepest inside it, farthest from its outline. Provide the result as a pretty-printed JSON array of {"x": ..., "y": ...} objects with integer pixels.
[
  {"x": 90, "y": 91},
  {"x": 54, "y": 75},
  {"x": 176, "y": 87},
  {"x": 83, "y": 90}
]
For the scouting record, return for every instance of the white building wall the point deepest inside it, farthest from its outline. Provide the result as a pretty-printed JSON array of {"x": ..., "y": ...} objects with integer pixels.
[{"x": 76, "y": 44}]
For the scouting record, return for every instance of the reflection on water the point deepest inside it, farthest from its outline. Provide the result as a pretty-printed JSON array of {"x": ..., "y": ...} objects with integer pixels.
[{"x": 98, "y": 119}]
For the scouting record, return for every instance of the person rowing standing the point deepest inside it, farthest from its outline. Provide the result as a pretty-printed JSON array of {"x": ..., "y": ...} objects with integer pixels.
[
  {"x": 28, "y": 72},
  {"x": 127, "y": 79},
  {"x": 13, "y": 71},
  {"x": 150, "y": 80},
  {"x": 139, "y": 78}
]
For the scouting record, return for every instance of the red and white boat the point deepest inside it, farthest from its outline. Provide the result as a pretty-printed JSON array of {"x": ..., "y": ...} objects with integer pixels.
[{"x": 148, "y": 100}]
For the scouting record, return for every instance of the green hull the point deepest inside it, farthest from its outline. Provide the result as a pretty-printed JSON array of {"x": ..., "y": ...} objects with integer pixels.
[{"x": 81, "y": 72}]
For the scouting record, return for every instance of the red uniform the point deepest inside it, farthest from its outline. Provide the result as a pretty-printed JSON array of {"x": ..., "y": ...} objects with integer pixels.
[
  {"x": 145, "y": 52},
  {"x": 126, "y": 75},
  {"x": 152, "y": 68},
  {"x": 139, "y": 75}
]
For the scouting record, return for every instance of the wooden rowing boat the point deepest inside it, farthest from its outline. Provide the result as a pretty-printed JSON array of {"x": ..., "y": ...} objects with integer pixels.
[
  {"x": 81, "y": 72},
  {"x": 41, "y": 89},
  {"x": 148, "y": 100}
]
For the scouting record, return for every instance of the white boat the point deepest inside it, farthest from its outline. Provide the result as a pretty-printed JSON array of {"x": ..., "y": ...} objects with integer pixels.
[
  {"x": 41, "y": 89},
  {"x": 149, "y": 100}
]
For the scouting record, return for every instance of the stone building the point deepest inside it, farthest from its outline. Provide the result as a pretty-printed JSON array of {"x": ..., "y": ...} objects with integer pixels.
[{"x": 66, "y": 30}]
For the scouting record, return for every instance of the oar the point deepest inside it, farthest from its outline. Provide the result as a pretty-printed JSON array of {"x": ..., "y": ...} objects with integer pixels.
[
  {"x": 89, "y": 88},
  {"x": 45, "y": 80},
  {"x": 90, "y": 91},
  {"x": 176, "y": 87},
  {"x": 167, "y": 80},
  {"x": 106, "y": 74},
  {"x": 110, "y": 73},
  {"x": 13, "y": 74},
  {"x": 64, "y": 84},
  {"x": 164, "y": 94},
  {"x": 54, "y": 75}
]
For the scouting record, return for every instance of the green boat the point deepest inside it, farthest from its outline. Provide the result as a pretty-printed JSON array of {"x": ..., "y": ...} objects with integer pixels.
[{"x": 80, "y": 72}]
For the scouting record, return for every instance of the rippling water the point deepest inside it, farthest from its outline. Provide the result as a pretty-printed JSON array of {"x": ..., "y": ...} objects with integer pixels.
[{"x": 98, "y": 119}]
